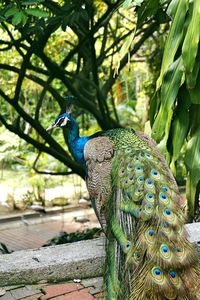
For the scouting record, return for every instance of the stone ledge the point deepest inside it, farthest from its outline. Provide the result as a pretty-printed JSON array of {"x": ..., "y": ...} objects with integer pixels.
[
  {"x": 78, "y": 260},
  {"x": 83, "y": 259}
]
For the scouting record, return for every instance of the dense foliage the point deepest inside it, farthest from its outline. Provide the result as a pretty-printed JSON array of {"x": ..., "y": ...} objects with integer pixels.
[
  {"x": 50, "y": 50},
  {"x": 65, "y": 238},
  {"x": 175, "y": 110},
  {"x": 73, "y": 51}
]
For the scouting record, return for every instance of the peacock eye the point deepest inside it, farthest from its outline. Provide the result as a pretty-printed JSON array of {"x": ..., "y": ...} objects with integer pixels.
[
  {"x": 59, "y": 121},
  {"x": 63, "y": 121}
]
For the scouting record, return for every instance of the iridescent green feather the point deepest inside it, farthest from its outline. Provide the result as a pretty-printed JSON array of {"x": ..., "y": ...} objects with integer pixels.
[{"x": 146, "y": 221}]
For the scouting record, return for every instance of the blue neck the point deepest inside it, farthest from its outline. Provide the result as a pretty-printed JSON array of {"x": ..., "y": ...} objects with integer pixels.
[{"x": 76, "y": 143}]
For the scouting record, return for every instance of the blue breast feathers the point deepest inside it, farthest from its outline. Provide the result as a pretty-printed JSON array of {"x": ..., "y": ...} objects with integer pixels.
[{"x": 77, "y": 148}]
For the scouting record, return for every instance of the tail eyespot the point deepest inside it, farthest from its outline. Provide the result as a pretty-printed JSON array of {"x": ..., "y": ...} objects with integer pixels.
[
  {"x": 155, "y": 174},
  {"x": 149, "y": 181},
  {"x": 130, "y": 167},
  {"x": 122, "y": 172},
  {"x": 127, "y": 247},
  {"x": 138, "y": 168},
  {"x": 150, "y": 232},
  {"x": 174, "y": 278},
  {"x": 140, "y": 179},
  {"x": 137, "y": 255},
  {"x": 148, "y": 155},
  {"x": 165, "y": 188},
  {"x": 165, "y": 251},
  {"x": 150, "y": 198},
  {"x": 164, "y": 199},
  {"x": 168, "y": 212},
  {"x": 157, "y": 275},
  {"x": 172, "y": 274},
  {"x": 163, "y": 196}
]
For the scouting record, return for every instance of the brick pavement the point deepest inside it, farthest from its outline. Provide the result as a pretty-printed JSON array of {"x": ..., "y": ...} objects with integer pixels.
[
  {"x": 29, "y": 235},
  {"x": 20, "y": 235},
  {"x": 89, "y": 289}
]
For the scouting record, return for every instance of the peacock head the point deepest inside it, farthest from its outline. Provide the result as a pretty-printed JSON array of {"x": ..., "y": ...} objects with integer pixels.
[{"x": 61, "y": 121}]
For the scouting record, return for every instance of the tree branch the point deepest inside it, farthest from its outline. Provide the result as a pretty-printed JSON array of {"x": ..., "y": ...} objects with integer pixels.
[
  {"x": 15, "y": 43},
  {"x": 107, "y": 86},
  {"x": 47, "y": 172},
  {"x": 42, "y": 132},
  {"x": 22, "y": 73},
  {"x": 39, "y": 81},
  {"x": 76, "y": 168},
  {"x": 81, "y": 100}
]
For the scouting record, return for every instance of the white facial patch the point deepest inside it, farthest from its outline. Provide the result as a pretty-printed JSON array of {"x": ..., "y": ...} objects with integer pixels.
[{"x": 65, "y": 120}]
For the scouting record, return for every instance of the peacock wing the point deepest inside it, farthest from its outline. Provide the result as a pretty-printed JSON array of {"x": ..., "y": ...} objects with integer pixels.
[{"x": 98, "y": 154}]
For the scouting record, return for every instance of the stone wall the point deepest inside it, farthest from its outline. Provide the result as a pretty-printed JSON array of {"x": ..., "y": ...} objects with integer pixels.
[{"x": 78, "y": 260}]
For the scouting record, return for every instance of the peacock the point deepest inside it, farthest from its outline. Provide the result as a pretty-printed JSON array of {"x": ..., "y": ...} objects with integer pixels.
[{"x": 137, "y": 202}]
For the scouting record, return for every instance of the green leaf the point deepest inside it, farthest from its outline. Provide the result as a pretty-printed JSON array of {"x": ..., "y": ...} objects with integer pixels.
[
  {"x": 174, "y": 39},
  {"x": 11, "y": 11},
  {"x": 75, "y": 17},
  {"x": 180, "y": 125},
  {"x": 124, "y": 49},
  {"x": 127, "y": 4},
  {"x": 31, "y": 2},
  {"x": 154, "y": 105},
  {"x": 194, "y": 118},
  {"x": 191, "y": 41},
  {"x": 65, "y": 22},
  {"x": 24, "y": 19},
  {"x": 147, "y": 9},
  {"x": 191, "y": 78},
  {"x": 192, "y": 159},
  {"x": 36, "y": 12},
  {"x": 17, "y": 19},
  {"x": 138, "y": 2},
  {"x": 195, "y": 93},
  {"x": 2, "y": 18},
  {"x": 171, "y": 10},
  {"x": 169, "y": 90},
  {"x": 84, "y": 15},
  {"x": 126, "y": 45}
]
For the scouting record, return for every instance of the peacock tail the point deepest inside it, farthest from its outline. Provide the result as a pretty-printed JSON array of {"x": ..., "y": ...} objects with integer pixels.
[
  {"x": 148, "y": 252},
  {"x": 136, "y": 199}
]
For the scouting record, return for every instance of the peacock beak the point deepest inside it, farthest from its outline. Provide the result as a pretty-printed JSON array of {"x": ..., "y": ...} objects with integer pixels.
[{"x": 51, "y": 127}]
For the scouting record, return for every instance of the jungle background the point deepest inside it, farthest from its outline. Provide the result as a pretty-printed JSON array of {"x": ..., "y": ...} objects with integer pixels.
[{"x": 118, "y": 63}]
